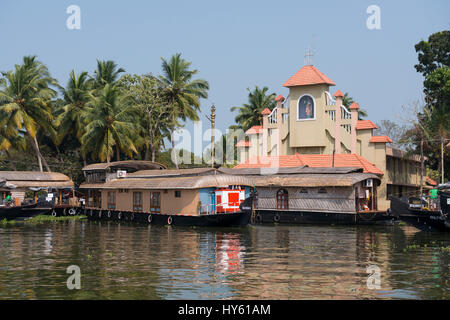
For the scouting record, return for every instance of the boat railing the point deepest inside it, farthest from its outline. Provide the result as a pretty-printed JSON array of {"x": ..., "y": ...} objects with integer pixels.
[{"x": 212, "y": 208}]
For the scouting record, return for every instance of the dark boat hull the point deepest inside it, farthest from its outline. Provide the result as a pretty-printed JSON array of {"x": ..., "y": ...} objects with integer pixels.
[
  {"x": 421, "y": 219},
  {"x": 21, "y": 212},
  {"x": 305, "y": 217},
  {"x": 212, "y": 220},
  {"x": 60, "y": 211}
]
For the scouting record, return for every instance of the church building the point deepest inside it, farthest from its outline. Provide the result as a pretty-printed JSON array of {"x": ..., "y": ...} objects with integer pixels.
[{"x": 311, "y": 124}]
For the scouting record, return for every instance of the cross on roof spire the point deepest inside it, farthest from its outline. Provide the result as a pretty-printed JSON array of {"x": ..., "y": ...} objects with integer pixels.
[{"x": 309, "y": 55}]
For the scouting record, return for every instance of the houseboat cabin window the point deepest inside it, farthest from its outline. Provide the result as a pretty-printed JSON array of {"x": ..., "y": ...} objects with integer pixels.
[
  {"x": 282, "y": 199},
  {"x": 177, "y": 194},
  {"x": 111, "y": 199},
  {"x": 137, "y": 201},
  {"x": 322, "y": 190},
  {"x": 155, "y": 202},
  {"x": 306, "y": 108},
  {"x": 93, "y": 177},
  {"x": 303, "y": 190}
]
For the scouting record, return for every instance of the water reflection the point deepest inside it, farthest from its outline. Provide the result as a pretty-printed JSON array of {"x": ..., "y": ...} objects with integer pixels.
[{"x": 122, "y": 261}]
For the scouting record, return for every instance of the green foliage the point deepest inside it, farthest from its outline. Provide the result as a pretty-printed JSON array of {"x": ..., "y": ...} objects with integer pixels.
[
  {"x": 181, "y": 93},
  {"x": 434, "y": 53},
  {"x": 154, "y": 114},
  {"x": 111, "y": 121},
  {"x": 432, "y": 127},
  {"x": 25, "y": 104},
  {"x": 249, "y": 114},
  {"x": 347, "y": 101},
  {"x": 97, "y": 118},
  {"x": 437, "y": 87}
]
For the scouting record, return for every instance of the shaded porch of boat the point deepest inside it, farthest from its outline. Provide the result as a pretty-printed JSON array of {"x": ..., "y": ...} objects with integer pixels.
[{"x": 17, "y": 183}]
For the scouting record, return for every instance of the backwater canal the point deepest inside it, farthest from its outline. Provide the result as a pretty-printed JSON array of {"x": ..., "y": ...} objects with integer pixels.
[{"x": 130, "y": 261}]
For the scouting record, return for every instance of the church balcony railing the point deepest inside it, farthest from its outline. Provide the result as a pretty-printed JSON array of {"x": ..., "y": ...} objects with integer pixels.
[
  {"x": 273, "y": 116},
  {"x": 329, "y": 99}
]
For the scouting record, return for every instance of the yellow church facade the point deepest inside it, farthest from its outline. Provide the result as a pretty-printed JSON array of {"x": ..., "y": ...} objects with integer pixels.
[{"x": 311, "y": 124}]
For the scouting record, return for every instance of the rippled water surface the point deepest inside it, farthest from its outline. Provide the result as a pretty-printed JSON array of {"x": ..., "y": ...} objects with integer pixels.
[{"x": 124, "y": 261}]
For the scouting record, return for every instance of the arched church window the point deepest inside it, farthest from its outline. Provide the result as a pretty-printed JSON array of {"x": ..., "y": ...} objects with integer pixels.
[{"x": 306, "y": 108}]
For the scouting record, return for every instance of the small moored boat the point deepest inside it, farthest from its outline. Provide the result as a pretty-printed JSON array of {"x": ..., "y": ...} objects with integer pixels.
[{"x": 414, "y": 211}]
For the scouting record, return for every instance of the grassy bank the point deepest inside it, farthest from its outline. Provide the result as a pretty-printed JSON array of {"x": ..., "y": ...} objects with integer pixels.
[{"x": 42, "y": 219}]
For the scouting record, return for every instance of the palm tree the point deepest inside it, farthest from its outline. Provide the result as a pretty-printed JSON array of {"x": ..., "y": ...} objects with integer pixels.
[
  {"x": 11, "y": 140},
  {"x": 106, "y": 73},
  {"x": 181, "y": 93},
  {"x": 250, "y": 113},
  {"x": 25, "y": 101},
  {"x": 111, "y": 121},
  {"x": 76, "y": 96},
  {"x": 347, "y": 101}
]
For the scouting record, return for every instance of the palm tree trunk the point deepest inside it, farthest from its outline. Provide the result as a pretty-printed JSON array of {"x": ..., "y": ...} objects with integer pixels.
[
  {"x": 153, "y": 154},
  {"x": 40, "y": 155},
  {"x": 36, "y": 149},
  {"x": 174, "y": 153},
  {"x": 8, "y": 155},
  {"x": 147, "y": 152}
]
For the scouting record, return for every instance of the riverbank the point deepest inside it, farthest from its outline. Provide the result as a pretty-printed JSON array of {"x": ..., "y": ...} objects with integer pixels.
[{"x": 42, "y": 219}]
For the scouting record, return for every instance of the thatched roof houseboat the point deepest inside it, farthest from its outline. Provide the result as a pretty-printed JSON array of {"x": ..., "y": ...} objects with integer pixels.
[{"x": 16, "y": 183}]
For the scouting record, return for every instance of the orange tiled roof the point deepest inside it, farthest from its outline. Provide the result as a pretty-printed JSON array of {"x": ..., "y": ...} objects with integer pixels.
[
  {"x": 279, "y": 98},
  {"x": 354, "y": 105},
  {"x": 266, "y": 111},
  {"x": 338, "y": 94},
  {"x": 365, "y": 124},
  {"x": 243, "y": 143},
  {"x": 311, "y": 160},
  {"x": 306, "y": 76},
  {"x": 384, "y": 139},
  {"x": 254, "y": 130}
]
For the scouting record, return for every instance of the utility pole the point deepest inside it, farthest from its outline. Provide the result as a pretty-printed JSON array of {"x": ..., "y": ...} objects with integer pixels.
[
  {"x": 421, "y": 168},
  {"x": 213, "y": 123}
]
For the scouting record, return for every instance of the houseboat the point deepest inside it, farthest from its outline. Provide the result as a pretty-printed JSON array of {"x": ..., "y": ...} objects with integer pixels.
[
  {"x": 20, "y": 192},
  {"x": 147, "y": 192},
  {"x": 304, "y": 195}
]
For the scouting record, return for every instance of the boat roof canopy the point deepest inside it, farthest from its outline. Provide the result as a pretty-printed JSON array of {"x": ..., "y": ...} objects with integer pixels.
[
  {"x": 27, "y": 179},
  {"x": 132, "y": 165},
  {"x": 210, "y": 177}
]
